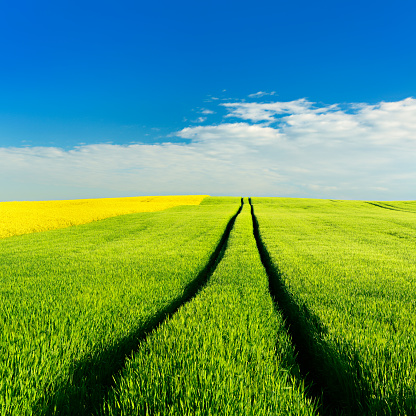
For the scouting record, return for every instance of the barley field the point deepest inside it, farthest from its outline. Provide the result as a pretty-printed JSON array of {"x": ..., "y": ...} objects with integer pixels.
[{"x": 208, "y": 306}]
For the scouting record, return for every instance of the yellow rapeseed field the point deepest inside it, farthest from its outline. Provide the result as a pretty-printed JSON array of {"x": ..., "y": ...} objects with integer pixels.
[{"x": 28, "y": 217}]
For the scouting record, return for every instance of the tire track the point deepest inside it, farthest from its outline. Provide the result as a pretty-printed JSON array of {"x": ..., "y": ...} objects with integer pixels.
[
  {"x": 332, "y": 376},
  {"x": 94, "y": 376},
  {"x": 389, "y": 207}
]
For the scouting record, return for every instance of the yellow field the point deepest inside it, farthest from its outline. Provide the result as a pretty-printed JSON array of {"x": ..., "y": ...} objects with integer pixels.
[{"x": 28, "y": 217}]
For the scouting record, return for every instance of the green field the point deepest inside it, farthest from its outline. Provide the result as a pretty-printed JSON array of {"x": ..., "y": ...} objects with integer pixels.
[
  {"x": 280, "y": 306},
  {"x": 345, "y": 275}
]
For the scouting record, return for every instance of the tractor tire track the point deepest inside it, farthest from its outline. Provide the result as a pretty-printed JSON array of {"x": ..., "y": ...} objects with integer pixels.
[
  {"x": 389, "y": 207},
  {"x": 95, "y": 376},
  {"x": 332, "y": 377}
]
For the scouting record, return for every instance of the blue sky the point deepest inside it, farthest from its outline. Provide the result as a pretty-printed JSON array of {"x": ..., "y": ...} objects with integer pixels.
[{"x": 304, "y": 99}]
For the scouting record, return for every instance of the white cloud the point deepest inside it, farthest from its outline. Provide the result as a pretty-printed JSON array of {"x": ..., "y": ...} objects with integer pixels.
[
  {"x": 295, "y": 148},
  {"x": 206, "y": 111},
  {"x": 199, "y": 120},
  {"x": 236, "y": 133},
  {"x": 271, "y": 112},
  {"x": 261, "y": 94}
]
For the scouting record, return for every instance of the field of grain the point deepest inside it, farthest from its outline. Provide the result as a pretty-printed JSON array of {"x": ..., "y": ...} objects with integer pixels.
[
  {"x": 348, "y": 271},
  {"x": 226, "y": 306},
  {"x": 76, "y": 300},
  {"x": 226, "y": 352}
]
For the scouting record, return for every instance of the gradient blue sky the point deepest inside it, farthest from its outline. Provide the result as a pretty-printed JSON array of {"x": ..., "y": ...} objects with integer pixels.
[{"x": 308, "y": 99}]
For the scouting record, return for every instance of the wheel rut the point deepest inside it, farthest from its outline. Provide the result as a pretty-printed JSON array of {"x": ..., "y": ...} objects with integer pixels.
[
  {"x": 389, "y": 207},
  {"x": 332, "y": 378}
]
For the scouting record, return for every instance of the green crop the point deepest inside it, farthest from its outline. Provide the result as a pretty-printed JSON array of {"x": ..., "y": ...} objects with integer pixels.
[
  {"x": 226, "y": 352},
  {"x": 75, "y": 302},
  {"x": 310, "y": 311},
  {"x": 348, "y": 274}
]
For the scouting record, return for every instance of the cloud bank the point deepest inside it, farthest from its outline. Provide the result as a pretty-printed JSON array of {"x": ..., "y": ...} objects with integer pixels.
[{"x": 297, "y": 148}]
